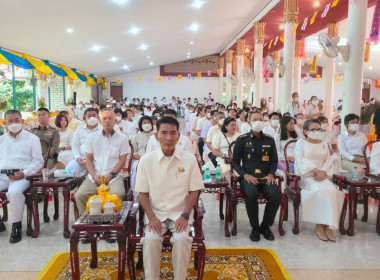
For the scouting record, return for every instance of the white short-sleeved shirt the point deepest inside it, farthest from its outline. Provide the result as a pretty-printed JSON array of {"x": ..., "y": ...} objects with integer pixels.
[
  {"x": 183, "y": 143},
  {"x": 221, "y": 142},
  {"x": 106, "y": 151},
  {"x": 80, "y": 138},
  {"x": 201, "y": 122},
  {"x": 311, "y": 110},
  {"x": 269, "y": 130},
  {"x": 168, "y": 181},
  {"x": 375, "y": 159},
  {"x": 351, "y": 145},
  {"x": 211, "y": 132}
]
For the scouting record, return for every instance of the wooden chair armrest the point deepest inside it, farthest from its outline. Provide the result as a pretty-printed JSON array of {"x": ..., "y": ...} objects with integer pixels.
[
  {"x": 34, "y": 177},
  {"x": 199, "y": 210},
  {"x": 293, "y": 176}
]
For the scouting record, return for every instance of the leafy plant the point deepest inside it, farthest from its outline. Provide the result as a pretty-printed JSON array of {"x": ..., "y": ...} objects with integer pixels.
[
  {"x": 366, "y": 113},
  {"x": 41, "y": 103},
  {"x": 24, "y": 95}
]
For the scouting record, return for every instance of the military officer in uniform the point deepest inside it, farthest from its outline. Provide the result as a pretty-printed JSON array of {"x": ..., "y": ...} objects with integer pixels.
[
  {"x": 255, "y": 160},
  {"x": 48, "y": 133}
]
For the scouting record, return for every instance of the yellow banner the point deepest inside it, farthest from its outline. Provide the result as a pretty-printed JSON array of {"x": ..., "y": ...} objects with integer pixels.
[
  {"x": 335, "y": 3},
  {"x": 270, "y": 44},
  {"x": 313, "y": 18},
  {"x": 3, "y": 60},
  {"x": 295, "y": 28},
  {"x": 69, "y": 72},
  {"x": 38, "y": 64}
]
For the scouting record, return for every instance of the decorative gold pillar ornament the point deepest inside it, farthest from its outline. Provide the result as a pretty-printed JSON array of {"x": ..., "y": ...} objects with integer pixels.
[
  {"x": 40, "y": 76},
  {"x": 277, "y": 55},
  {"x": 240, "y": 46},
  {"x": 221, "y": 62},
  {"x": 290, "y": 11},
  {"x": 229, "y": 56},
  {"x": 259, "y": 28},
  {"x": 333, "y": 29}
]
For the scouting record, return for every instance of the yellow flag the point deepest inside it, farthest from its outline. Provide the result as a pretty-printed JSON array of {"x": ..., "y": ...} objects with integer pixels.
[
  {"x": 199, "y": 75},
  {"x": 314, "y": 65},
  {"x": 317, "y": 77},
  {"x": 159, "y": 79},
  {"x": 118, "y": 80},
  {"x": 282, "y": 37},
  {"x": 218, "y": 71},
  {"x": 295, "y": 28},
  {"x": 270, "y": 44},
  {"x": 179, "y": 77},
  {"x": 337, "y": 79},
  {"x": 139, "y": 79},
  {"x": 313, "y": 18},
  {"x": 334, "y": 3}
]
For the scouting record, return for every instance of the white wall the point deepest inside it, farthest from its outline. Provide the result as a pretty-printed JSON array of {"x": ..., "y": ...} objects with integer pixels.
[
  {"x": 197, "y": 87},
  {"x": 83, "y": 92}
]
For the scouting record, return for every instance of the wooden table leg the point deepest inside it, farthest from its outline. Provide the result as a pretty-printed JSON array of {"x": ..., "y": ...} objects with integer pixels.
[
  {"x": 74, "y": 258},
  {"x": 56, "y": 206},
  {"x": 365, "y": 206},
  {"x": 221, "y": 198},
  {"x": 342, "y": 230},
  {"x": 121, "y": 241},
  {"x": 94, "y": 251},
  {"x": 46, "y": 204},
  {"x": 227, "y": 232},
  {"x": 131, "y": 261},
  {"x": 66, "y": 212},
  {"x": 36, "y": 218},
  {"x": 351, "y": 213},
  {"x": 378, "y": 220}
]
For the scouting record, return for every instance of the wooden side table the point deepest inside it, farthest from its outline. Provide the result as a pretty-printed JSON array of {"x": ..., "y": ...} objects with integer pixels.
[
  {"x": 84, "y": 230},
  {"x": 54, "y": 185},
  {"x": 363, "y": 184}
]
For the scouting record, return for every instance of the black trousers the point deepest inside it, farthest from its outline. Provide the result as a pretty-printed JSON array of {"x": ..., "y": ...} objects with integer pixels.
[
  {"x": 200, "y": 146},
  {"x": 271, "y": 193},
  {"x": 212, "y": 158}
]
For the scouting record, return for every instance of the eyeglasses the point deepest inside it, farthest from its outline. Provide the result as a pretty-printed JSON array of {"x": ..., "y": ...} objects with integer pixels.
[{"x": 315, "y": 129}]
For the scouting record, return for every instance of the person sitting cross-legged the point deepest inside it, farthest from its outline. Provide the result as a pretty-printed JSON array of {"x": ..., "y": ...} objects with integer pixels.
[
  {"x": 168, "y": 182},
  {"x": 20, "y": 156},
  {"x": 106, "y": 153}
]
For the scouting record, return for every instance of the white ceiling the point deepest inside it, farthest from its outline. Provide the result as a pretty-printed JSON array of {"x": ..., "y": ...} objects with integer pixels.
[
  {"x": 39, "y": 29},
  {"x": 312, "y": 48}
]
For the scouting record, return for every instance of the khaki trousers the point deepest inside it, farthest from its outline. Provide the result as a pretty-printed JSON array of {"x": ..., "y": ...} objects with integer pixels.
[
  {"x": 88, "y": 189},
  {"x": 349, "y": 166},
  {"x": 152, "y": 248}
]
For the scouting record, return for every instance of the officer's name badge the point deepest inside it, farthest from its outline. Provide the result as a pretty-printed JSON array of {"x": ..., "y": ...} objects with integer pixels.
[
  {"x": 257, "y": 171},
  {"x": 266, "y": 146},
  {"x": 265, "y": 158},
  {"x": 181, "y": 169},
  {"x": 249, "y": 156}
]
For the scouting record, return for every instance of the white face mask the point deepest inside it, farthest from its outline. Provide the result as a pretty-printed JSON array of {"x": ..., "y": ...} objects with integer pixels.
[
  {"x": 275, "y": 122},
  {"x": 208, "y": 115},
  {"x": 147, "y": 127},
  {"x": 266, "y": 119},
  {"x": 118, "y": 118},
  {"x": 221, "y": 121},
  {"x": 299, "y": 121},
  {"x": 354, "y": 127},
  {"x": 15, "y": 127},
  {"x": 296, "y": 99},
  {"x": 314, "y": 102},
  {"x": 324, "y": 126},
  {"x": 315, "y": 135},
  {"x": 92, "y": 121},
  {"x": 258, "y": 126}
]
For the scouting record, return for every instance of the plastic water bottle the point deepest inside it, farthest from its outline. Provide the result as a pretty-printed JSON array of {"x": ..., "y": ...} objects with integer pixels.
[
  {"x": 355, "y": 174},
  {"x": 207, "y": 176},
  {"x": 218, "y": 174}
]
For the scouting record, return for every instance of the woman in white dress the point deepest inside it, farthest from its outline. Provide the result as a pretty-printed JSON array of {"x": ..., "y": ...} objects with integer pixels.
[
  {"x": 139, "y": 143},
  {"x": 246, "y": 126},
  {"x": 287, "y": 133},
  {"x": 321, "y": 201},
  {"x": 375, "y": 159},
  {"x": 65, "y": 155},
  {"x": 299, "y": 127},
  {"x": 313, "y": 110},
  {"x": 241, "y": 118},
  {"x": 220, "y": 142},
  {"x": 332, "y": 141}
]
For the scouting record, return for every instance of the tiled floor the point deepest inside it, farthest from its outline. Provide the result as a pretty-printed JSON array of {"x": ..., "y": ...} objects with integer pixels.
[{"x": 303, "y": 255}]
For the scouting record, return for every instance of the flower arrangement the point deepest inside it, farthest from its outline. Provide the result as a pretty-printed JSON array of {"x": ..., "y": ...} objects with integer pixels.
[{"x": 41, "y": 103}]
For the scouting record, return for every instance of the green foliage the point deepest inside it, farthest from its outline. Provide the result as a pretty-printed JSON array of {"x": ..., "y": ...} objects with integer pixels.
[
  {"x": 24, "y": 94},
  {"x": 366, "y": 113}
]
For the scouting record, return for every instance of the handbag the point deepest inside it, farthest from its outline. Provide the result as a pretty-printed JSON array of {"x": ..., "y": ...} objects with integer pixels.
[{"x": 227, "y": 159}]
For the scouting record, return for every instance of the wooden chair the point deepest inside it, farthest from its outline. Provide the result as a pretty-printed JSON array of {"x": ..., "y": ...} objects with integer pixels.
[
  {"x": 235, "y": 196},
  {"x": 127, "y": 184},
  {"x": 370, "y": 175},
  {"x": 4, "y": 200},
  {"x": 292, "y": 190},
  {"x": 136, "y": 233}
]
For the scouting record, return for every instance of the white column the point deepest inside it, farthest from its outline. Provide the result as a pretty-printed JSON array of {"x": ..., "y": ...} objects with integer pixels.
[
  {"x": 276, "y": 80},
  {"x": 69, "y": 89},
  {"x": 258, "y": 63},
  {"x": 353, "y": 74},
  {"x": 297, "y": 75},
  {"x": 229, "y": 57},
  {"x": 221, "y": 77},
  {"x": 290, "y": 18},
  {"x": 330, "y": 77},
  {"x": 240, "y": 67}
]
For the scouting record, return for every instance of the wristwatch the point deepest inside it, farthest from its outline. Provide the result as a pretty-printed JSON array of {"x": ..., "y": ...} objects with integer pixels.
[
  {"x": 185, "y": 216},
  {"x": 113, "y": 175}
]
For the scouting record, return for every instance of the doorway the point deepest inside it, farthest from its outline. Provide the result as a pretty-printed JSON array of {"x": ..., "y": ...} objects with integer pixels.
[{"x": 117, "y": 91}]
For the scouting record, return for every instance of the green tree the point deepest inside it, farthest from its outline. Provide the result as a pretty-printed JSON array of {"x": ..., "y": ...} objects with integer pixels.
[{"x": 24, "y": 94}]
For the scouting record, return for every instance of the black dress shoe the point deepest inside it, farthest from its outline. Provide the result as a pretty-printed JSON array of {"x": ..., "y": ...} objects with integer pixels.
[
  {"x": 360, "y": 201},
  {"x": 2, "y": 225},
  {"x": 108, "y": 240},
  {"x": 16, "y": 233},
  {"x": 85, "y": 241},
  {"x": 255, "y": 235},
  {"x": 268, "y": 235}
]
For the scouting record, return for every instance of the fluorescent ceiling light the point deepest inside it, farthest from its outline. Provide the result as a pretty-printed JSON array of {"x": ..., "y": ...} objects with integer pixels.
[
  {"x": 143, "y": 47},
  {"x": 114, "y": 59},
  {"x": 151, "y": 63},
  {"x": 120, "y": 2},
  {"x": 126, "y": 67},
  {"x": 69, "y": 30},
  {"x": 370, "y": 68},
  {"x": 192, "y": 43},
  {"x": 194, "y": 27},
  {"x": 197, "y": 4},
  {"x": 188, "y": 53},
  {"x": 148, "y": 57},
  {"x": 316, "y": 4},
  {"x": 134, "y": 30},
  {"x": 96, "y": 48}
]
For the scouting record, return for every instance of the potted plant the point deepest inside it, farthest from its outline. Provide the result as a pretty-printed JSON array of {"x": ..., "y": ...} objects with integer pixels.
[
  {"x": 3, "y": 105},
  {"x": 41, "y": 103},
  {"x": 366, "y": 113}
]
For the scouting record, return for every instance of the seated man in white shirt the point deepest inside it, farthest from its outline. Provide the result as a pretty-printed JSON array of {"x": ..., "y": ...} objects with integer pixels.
[
  {"x": 106, "y": 154},
  {"x": 375, "y": 159},
  {"x": 122, "y": 124},
  {"x": 20, "y": 156},
  {"x": 274, "y": 127},
  {"x": 168, "y": 182},
  {"x": 351, "y": 143},
  {"x": 208, "y": 131},
  {"x": 91, "y": 125},
  {"x": 183, "y": 143}
]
